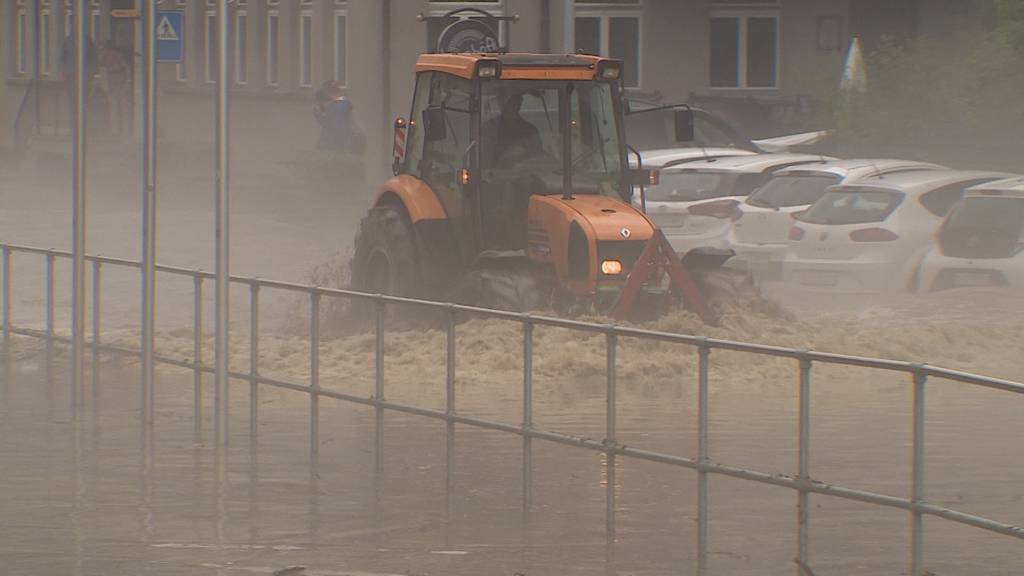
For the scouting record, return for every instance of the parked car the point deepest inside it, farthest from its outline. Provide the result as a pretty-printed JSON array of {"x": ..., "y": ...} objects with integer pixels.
[
  {"x": 695, "y": 203},
  {"x": 759, "y": 236},
  {"x": 665, "y": 157},
  {"x": 650, "y": 126},
  {"x": 872, "y": 235},
  {"x": 981, "y": 242}
]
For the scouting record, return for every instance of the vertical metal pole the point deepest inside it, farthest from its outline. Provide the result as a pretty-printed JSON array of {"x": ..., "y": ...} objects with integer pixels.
[
  {"x": 222, "y": 238},
  {"x": 7, "y": 298},
  {"x": 612, "y": 345},
  {"x": 97, "y": 317},
  {"x": 527, "y": 414},
  {"x": 569, "y": 27},
  {"x": 803, "y": 498},
  {"x": 197, "y": 355},
  {"x": 81, "y": 12},
  {"x": 917, "y": 496},
  {"x": 254, "y": 360},
  {"x": 314, "y": 376},
  {"x": 49, "y": 299},
  {"x": 379, "y": 385},
  {"x": 703, "y": 354},
  {"x": 148, "y": 204},
  {"x": 450, "y": 408},
  {"x": 36, "y": 67}
]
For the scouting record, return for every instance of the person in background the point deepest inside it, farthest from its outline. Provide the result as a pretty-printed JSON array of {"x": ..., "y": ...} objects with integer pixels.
[
  {"x": 119, "y": 89},
  {"x": 333, "y": 112}
]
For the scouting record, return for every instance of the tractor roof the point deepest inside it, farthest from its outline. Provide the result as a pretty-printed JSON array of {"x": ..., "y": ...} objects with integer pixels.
[{"x": 515, "y": 66}]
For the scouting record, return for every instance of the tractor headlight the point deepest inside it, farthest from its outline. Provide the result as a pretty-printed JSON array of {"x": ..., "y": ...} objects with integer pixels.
[
  {"x": 611, "y": 267},
  {"x": 488, "y": 69},
  {"x": 609, "y": 69}
]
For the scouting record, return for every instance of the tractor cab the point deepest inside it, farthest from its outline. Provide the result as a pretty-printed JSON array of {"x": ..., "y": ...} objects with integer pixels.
[{"x": 487, "y": 132}]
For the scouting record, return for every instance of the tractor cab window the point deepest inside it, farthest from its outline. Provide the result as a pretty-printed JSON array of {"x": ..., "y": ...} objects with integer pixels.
[
  {"x": 446, "y": 144},
  {"x": 522, "y": 137}
]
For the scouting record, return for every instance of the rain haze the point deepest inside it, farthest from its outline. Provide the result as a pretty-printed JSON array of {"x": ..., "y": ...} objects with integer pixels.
[{"x": 518, "y": 287}]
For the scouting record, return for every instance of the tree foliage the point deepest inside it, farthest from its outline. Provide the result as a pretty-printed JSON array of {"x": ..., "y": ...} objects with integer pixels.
[{"x": 951, "y": 100}]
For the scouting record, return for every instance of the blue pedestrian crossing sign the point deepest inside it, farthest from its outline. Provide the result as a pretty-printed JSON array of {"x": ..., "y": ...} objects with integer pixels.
[{"x": 170, "y": 36}]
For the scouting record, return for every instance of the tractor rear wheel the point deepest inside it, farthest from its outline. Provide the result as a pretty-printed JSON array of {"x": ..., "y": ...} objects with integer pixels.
[{"x": 385, "y": 259}]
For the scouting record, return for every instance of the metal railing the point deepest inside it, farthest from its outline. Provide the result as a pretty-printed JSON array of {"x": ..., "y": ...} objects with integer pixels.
[{"x": 802, "y": 482}]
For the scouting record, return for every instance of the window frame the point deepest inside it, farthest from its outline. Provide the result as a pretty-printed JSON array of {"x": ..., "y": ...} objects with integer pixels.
[
  {"x": 21, "y": 41},
  {"x": 209, "y": 48},
  {"x": 45, "y": 21},
  {"x": 241, "y": 48},
  {"x": 743, "y": 15},
  {"x": 273, "y": 49},
  {"x": 343, "y": 81},
  {"x": 604, "y": 13},
  {"x": 305, "y": 77}
]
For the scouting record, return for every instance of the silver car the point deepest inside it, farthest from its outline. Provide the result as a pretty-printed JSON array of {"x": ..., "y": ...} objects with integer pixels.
[
  {"x": 870, "y": 236},
  {"x": 759, "y": 234},
  {"x": 695, "y": 203}
]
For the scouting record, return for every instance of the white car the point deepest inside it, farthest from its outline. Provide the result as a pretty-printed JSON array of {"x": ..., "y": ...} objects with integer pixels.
[
  {"x": 759, "y": 236},
  {"x": 981, "y": 243},
  {"x": 665, "y": 157},
  {"x": 695, "y": 203},
  {"x": 871, "y": 236}
]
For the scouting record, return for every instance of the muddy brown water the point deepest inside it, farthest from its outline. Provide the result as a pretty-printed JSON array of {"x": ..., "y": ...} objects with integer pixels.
[{"x": 81, "y": 497}]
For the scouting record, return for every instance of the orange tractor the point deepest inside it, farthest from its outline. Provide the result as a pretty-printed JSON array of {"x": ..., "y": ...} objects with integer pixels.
[{"x": 512, "y": 190}]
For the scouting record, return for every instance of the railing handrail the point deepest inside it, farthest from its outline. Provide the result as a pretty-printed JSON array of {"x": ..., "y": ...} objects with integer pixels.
[{"x": 593, "y": 327}]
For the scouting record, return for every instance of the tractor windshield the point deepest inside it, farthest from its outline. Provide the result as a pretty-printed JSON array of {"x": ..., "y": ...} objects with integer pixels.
[{"x": 522, "y": 137}]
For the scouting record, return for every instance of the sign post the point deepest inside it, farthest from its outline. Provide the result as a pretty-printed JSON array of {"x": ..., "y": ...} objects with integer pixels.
[{"x": 170, "y": 36}]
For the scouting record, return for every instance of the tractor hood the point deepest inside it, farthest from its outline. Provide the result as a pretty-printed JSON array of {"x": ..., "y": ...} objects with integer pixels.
[{"x": 609, "y": 218}]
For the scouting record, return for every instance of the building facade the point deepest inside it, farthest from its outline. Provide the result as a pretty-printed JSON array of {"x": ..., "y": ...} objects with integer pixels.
[{"x": 281, "y": 50}]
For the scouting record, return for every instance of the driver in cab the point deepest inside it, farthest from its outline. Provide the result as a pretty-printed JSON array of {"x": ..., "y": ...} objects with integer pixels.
[{"x": 514, "y": 137}]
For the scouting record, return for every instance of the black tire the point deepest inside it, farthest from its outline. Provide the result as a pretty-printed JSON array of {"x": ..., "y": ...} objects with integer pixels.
[
  {"x": 513, "y": 290},
  {"x": 385, "y": 259},
  {"x": 724, "y": 287}
]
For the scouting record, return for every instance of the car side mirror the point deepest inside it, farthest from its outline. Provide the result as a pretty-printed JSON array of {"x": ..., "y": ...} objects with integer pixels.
[
  {"x": 683, "y": 120},
  {"x": 433, "y": 124}
]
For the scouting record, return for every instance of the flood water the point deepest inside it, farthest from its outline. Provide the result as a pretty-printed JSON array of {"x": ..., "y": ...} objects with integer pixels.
[{"x": 84, "y": 493}]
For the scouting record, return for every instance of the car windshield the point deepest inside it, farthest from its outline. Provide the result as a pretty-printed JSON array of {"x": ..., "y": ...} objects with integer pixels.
[
  {"x": 693, "y": 186},
  {"x": 792, "y": 190},
  {"x": 656, "y": 129},
  {"x": 522, "y": 137},
  {"x": 853, "y": 207}
]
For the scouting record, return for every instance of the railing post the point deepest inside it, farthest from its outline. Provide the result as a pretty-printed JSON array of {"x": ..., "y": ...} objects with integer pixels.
[
  {"x": 197, "y": 354},
  {"x": 49, "y": 300},
  {"x": 450, "y": 406},
  {"x": 378, "y": 390},
  {"x": 803, "y": 474},
  {"x": 611, "y": 340},
  {"x": 314, "y": 377},
  {"x": 527, "y": 413},
  {"x": 917, "y": 491},
  {"x": 703, "y": 355},
  {"x": 254, "y": 360},
  {"x": 7, "y": 298},
  {"x": 97, "y": 316}
]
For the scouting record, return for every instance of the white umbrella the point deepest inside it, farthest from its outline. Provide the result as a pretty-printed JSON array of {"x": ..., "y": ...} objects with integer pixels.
[{"x": 855, "y": 78}]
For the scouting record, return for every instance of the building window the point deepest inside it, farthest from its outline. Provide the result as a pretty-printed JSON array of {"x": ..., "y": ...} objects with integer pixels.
[
  {"x": 306, "y": 49},
  {"x": 22, "y": 33},
  {"x": 273, "y": 35},
  {"x": 241, "y": 47},
  {"x": 97, "y": 24},
  {"x": 340, "y": 47},
  {"x": 69, "y": 25},
  {"x": 44, "y": 42},
  {"x": 210, "y": 69},
  {"x": 614, "y": 35},
  {"x": 744, "y": 51}
]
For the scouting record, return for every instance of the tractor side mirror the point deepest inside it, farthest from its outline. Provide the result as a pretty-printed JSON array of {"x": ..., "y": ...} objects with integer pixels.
[
  {"x": 683, "y": 120},
  {"x": 643, "y": 177},
  {"x": 433, "y": 124}
]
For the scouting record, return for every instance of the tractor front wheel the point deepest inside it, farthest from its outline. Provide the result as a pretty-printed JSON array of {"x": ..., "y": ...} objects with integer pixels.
[{"x": 385, "y": 260}]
